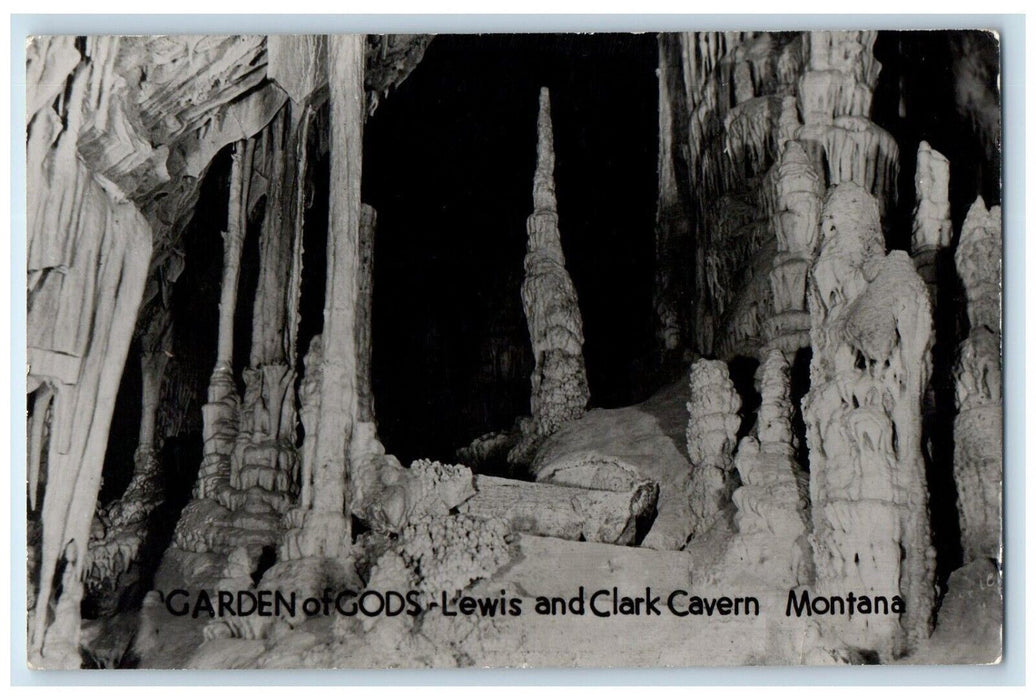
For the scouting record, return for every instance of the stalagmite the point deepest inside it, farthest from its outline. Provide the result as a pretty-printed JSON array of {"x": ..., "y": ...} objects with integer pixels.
[
  {"x": 773, "y": 501},
  {"x": 711, "y": 434},
  {"x": 977, "y": 459},
  {"x": 326, "y": 528},
  {"x": 872, "y": 335},
  {"x": 932, "y": 228},
  {"x": 559, "y": 387}
]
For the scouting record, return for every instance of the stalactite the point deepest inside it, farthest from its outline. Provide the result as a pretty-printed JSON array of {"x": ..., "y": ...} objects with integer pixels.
[
  {"x": 732, "y": 118},
  {"x": 977, "y": 459},
  {"x": 872, "y": 335},
  {"x": 711, "y": 437},
  {"x": 299, "y": 194},
  {"x": 559, "y": 387},
  {"x": 835, "y": 93},
  {"x": 840, "y": 75}
]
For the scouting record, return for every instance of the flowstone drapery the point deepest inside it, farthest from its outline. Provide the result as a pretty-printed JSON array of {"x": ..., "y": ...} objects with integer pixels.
[{"x": 88, "y": 254}]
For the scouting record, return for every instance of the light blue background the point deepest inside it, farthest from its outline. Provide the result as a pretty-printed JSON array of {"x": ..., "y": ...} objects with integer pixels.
[{"x": 1012, "y": 35}]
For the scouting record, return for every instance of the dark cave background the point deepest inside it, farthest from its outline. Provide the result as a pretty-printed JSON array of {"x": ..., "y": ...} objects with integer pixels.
[{"x": 448, "y": 164}]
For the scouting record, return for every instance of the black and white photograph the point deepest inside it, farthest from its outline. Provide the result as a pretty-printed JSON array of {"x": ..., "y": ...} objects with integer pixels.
[{"x": 539, "y": 350}]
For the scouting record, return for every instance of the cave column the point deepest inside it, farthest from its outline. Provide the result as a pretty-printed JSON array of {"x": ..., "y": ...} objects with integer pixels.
[
  {"x": 220, "y": 414},
  {"x": 144, "y": 486},
  {"x": 264, "y": 454},
  {"x": 115, "y": 550},
  {"x": 326, "y": 529},
  {"x": 158, "y": 347},
  {"x": 796, "y": 225},
  {"x": 672, "y": 223},
  {"x": 364, "y": 346}
]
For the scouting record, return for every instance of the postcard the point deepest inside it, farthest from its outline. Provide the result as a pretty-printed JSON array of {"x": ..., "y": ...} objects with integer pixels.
[{"x": 514, "y": 350}]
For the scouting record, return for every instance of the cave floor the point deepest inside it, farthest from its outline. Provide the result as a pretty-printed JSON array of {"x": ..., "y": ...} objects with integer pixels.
[{"x": 648, "y": 436}]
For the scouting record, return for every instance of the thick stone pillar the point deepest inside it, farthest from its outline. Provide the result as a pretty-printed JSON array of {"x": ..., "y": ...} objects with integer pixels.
[
  {"x": 325, "y": 529},
  {"x": 872, "y": 335},
  {"x": 796, "y": 224},
  {"x": 264, "y": 455}
]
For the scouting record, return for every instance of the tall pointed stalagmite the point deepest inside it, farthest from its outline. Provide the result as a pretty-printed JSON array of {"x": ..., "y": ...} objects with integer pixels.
[{"x": 559, "y": 387}]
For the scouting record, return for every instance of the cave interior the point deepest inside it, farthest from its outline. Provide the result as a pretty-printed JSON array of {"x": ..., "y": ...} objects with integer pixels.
[{"x": 590, "y": 290}]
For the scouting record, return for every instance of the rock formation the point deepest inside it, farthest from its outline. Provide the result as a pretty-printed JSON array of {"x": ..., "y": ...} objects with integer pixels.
[
  {"x": 88, "y": 254},
  {"x": 559, "y": 388},
  {"x": 977, "y": 460},
  {"x": 796, "y": 225},
  {"x": 871, "y": 335},
  {"x": 932, "y": 228},
  {"x": 325, "y": 526},
  {"x": 711, "y": 437},
  {"x": 773, "y": 501}
]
